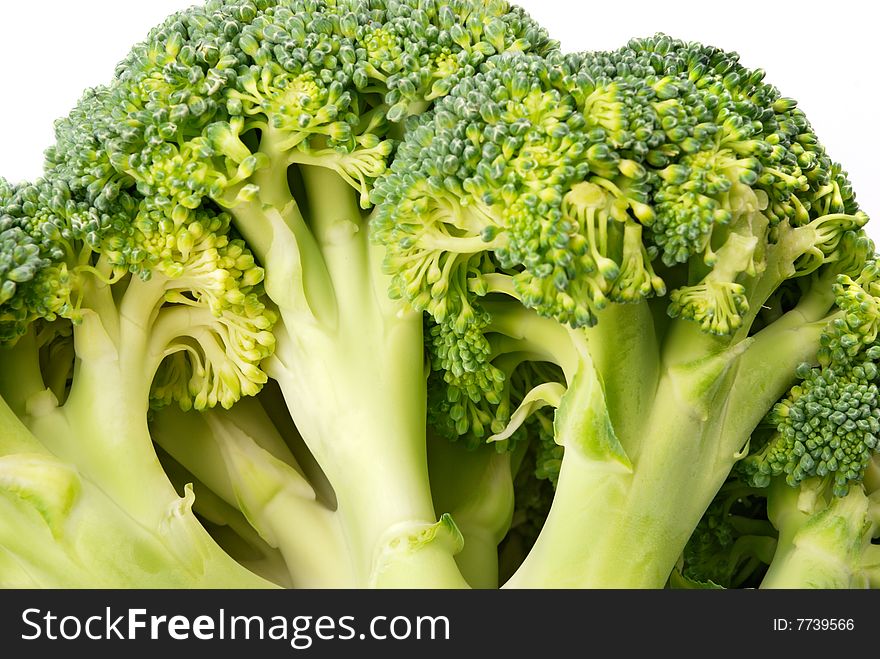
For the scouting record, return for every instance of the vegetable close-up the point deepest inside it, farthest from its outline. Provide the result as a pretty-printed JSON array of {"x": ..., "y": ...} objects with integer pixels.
[{"x": 403, "y": 294}]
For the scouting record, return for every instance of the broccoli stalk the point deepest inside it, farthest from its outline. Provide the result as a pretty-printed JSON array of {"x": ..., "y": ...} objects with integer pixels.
[
  {"x": 239, "y": 458},
  {"x": 229, "y": 527},
  {"x": 824, "y": 541},
  {"x": 476, "y": 487},
  {"x": 283, "y": 113},
  {"x": 539, "y": 217},
  {"x": 58, "y": 528},
  {"x": 360, "y": 355},
  {"x": 680, "y": 456}
]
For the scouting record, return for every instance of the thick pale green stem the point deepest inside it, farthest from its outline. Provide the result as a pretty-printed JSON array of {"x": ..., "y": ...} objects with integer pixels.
[
  {"x": 59, "y": 530},
  {"x": 484, "y": 520},
  {"x": 97, "y": 545},
  {"x": 543, "y": 338},
  {"x": 231, "y": 530},
  {"x": 823, "y": 549},
  {"x": 272, "y": 180},
  {"x": 356, "y": 390},
  {"x": 358, "y": 401},
  {"x": 618, "y": 529},
  {"x": 476, "y": 486},
  {"x": 624, "y": 347},
  {"x": 593, "y": 481},
  {"x": 766, "y": 369},
  {"x": 273, "y": 225},
  {"x": 764, "y": 373},
  {"x": 15, "y": 437},
  {"x": 341, "y": 234},
  {"x": 102, "y": 427},
  {"x": 251, "y": 469},
  {"x": 684, "y": 343},
  {"x": 296, "y": 277},
  {"x": 626, "y": 530}
]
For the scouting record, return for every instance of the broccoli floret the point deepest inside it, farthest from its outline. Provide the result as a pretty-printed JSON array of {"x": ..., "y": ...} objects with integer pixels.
[
  {"x": 817, "y": 452},
  {"x": 124, "y": 293},
  {"x": 597, "y": 234}
]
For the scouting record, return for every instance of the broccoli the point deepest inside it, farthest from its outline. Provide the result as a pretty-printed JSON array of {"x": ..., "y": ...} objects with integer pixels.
[
  {"x": 392, "y": 293},
  {"x": 648, "y": 242},
  {"x": 816, "y": 454},
  {"x": 476, "y": 487},
  {"x": 800, "y": 509},
  {"x": 241, "y": 133},
  {"x": 129, "y": 294}
]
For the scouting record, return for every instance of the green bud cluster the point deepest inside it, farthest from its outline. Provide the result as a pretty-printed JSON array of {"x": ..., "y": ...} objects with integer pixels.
[
  {"x": 553, "y": 162},
  {"x": 472, "y": 386},
  {"x": 34, "y": 277},
  {"x": 732, "y": 542},
  {"x": 326, "y": 79},
  {"x": 828, "y": 425},
  {"x": 55, "y": 241}
]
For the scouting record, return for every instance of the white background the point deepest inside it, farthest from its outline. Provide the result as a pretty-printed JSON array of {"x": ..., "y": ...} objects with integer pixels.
[{"x": 824, "y": 54}]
